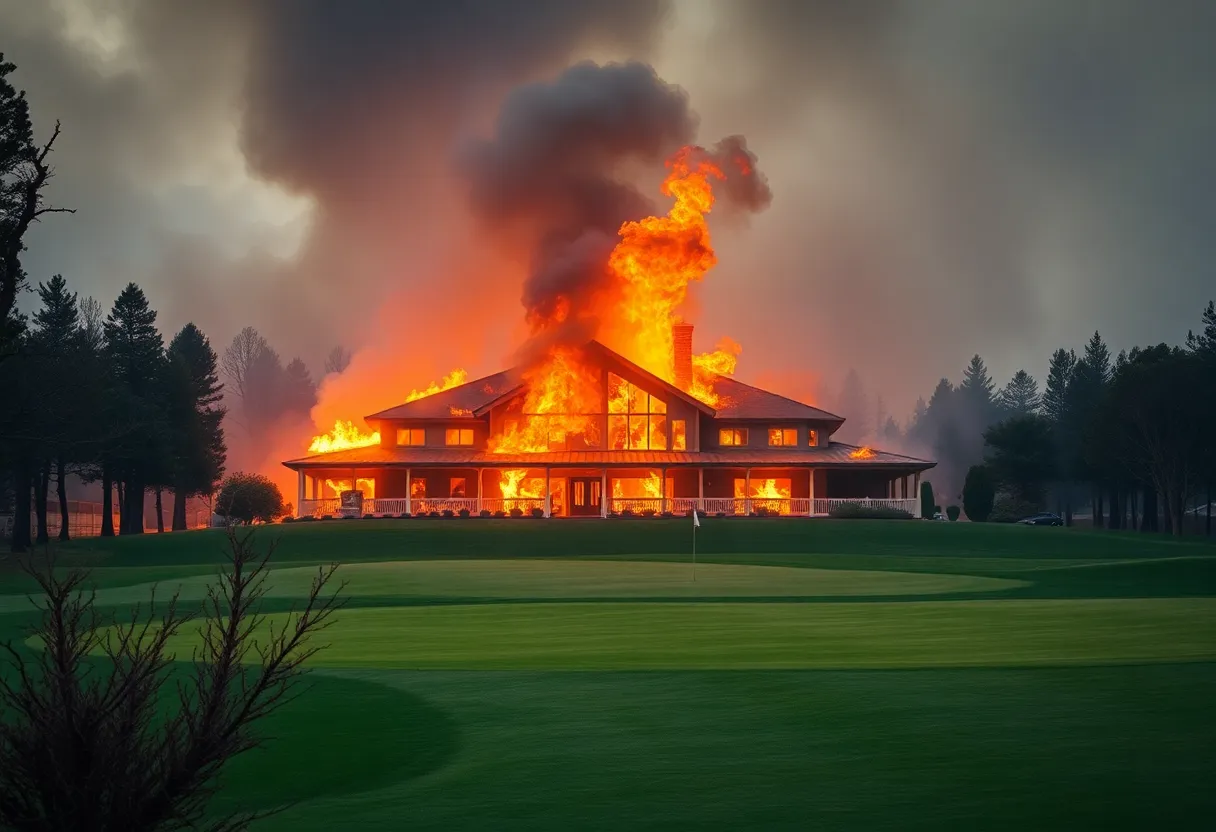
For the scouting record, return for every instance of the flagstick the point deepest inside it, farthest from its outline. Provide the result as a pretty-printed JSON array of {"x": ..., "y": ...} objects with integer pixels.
[{"x": 694, "y": 552}]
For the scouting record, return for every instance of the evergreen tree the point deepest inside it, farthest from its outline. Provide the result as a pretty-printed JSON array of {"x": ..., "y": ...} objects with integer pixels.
[
  {"x": 299, "y": 394},
  {"x": 195, "y": 416},
  {"x": 136, "y": 355},
  {"x": 1059, "y": 376},
  {"x": 1204, "y": 344},
  {"x": 57, "y": 347},
  {"x": 1020, "y": 397},
  {"x": 976, "y": 393}
]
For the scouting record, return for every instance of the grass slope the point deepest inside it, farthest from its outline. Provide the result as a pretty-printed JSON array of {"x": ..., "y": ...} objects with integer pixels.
[{"x": 679, "y": 714}]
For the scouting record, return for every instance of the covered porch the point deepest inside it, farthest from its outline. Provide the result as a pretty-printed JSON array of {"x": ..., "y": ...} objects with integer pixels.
[{"x": 604, "y": 491}]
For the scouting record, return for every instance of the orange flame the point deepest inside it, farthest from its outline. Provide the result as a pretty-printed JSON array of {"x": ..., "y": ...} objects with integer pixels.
[
  {"x": 367, "y": 486},
  {"x": 708, "y": 365},
  {"x": 453, "y": 379},
  {"x": 658, "y": 257},
  {"x": 345, "y": 435},
  {"x": 862, "y": 453}
]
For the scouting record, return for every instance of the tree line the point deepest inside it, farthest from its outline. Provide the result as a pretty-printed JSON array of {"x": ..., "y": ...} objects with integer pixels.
[
  {"x": 106, "y": 399},
  {"x": 1128, "y": 437}
]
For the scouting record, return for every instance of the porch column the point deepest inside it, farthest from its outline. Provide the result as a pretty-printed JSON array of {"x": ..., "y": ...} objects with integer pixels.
[
  {"x": 604, "y": 492},
  {"x": 408, "y": 488},
  {"x": 548, "y": 495},
  {"x": 747, "y": 491},
  {"x": 916, "y": 494},
  {"x": 810, "y": 475},
  {"x": 701, "y": 489},
  {"x": 479, "y": 490},
  {"x": 300, "y": 492},
  {"x": 663, "y": 490}
]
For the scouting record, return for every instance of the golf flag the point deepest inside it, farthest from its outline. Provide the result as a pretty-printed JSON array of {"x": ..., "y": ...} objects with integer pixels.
[{"x": 696, "y": 521}]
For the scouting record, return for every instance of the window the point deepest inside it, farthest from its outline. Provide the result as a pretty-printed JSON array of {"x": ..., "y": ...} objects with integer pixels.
[
  {"x": 418, "y": 487},
  {"x": 782, "y": 436},
  {"x": 411, "y": 437},
  {"x": 458, "y": 436},
  {"x": 679, "y": 435},
  {"x": 636, "y": 419},
  {"x": 458, "y": 487},
  {"x": 813, "y": 438},
  {"x": 732, "y": 437}
]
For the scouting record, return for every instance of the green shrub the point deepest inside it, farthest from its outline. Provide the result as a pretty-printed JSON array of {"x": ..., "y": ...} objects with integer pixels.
[
  {"x": 464, "y": 512},
  {"x": 979, "y": 493},
  {"x": 248, "y": 497},
  {"x": 857, "y": 511},
  {"x": 1009, "y": 509},
  {"x": 538, "y": 512},
  {"x": 952, "y": 512}
]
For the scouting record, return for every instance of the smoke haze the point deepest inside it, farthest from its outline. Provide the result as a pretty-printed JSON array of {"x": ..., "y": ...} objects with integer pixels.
[{"x": 947, "y": 177}]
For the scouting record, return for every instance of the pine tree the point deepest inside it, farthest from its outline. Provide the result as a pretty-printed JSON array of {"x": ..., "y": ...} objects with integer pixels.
[
  {"x": 56, "y": 347},
  {"x": 1059, "y": 376},
  {"x": 1205, "y": 342},
  {"x": 977, "y": 387},
  {"x": 299, "y": 393},
  {"x": 136, "y": 355},
  {"x": 1020, "y": 397},
  {"x": 196, "y": 418}
]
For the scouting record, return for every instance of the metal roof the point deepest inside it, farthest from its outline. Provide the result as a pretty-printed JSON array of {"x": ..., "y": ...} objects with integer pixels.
[
  {"x": 466, "y": 398},
  {"x": 835, "y": 455},
  {"x": 742, "y": 401}
]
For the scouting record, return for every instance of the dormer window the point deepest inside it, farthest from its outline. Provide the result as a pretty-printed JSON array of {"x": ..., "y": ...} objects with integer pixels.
[
  {"x": 812, "y": 438},
  {"x": 782, "y": 437}
]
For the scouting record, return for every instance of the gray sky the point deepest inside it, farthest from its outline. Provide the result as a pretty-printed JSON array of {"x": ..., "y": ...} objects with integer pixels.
[{"x": 948, "y": 176}]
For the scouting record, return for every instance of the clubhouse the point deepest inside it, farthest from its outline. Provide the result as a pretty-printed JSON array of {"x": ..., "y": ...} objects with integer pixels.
[{"x": 651, "y": 448}]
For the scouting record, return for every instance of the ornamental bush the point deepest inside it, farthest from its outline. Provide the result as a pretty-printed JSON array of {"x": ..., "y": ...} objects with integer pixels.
[
  {"x": 952, "y": 512},
  {"x": 857, "y": 511},
  {"x": 244, "y": 498},
  {"x": 927, "y": 505},
  {"x": 979, "y": 494}
]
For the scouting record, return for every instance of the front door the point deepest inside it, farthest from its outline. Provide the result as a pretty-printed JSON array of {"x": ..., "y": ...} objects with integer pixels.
[{"x": 586, "y": 494}]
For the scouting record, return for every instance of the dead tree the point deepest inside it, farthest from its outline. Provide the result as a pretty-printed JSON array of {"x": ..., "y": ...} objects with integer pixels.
[{"x": 85, "y": 741}]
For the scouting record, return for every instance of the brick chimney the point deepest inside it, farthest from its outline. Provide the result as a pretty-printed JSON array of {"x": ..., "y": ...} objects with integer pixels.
[{"x": 681, "y": 339}]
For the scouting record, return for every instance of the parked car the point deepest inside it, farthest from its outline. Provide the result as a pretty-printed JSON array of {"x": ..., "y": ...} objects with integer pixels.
[{"x": 1044, "y": 519}]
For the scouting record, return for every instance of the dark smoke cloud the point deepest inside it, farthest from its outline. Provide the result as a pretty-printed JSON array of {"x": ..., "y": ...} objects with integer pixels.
[
  {"x": 353, "y": 106},
  {"x": 744, "y": 188},
  {"x": 555, "y": 171}
]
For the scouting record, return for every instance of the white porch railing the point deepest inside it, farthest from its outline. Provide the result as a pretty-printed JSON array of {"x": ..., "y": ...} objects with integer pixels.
[
  {"x": 383, "y": 506},
  {"x": 318, "y": 508},
  {"x": 505, "y": 505}
]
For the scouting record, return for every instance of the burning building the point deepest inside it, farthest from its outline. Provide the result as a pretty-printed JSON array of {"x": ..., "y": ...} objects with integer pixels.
[
  {"x": 640, "y": 445},
  {"x": 609, "y": 410}
]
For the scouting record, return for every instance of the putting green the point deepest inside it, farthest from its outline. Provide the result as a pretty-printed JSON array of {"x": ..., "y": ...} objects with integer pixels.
[
  {"x": 581, "y": 636},
  {"x": 549, "y": 578}
]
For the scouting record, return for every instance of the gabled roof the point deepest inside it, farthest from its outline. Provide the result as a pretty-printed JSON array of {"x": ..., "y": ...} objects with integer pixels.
[
  {"x": 742, "y": 401},
  {"x": 465, "y": 399},
  {"x": 665, "y": 386}
]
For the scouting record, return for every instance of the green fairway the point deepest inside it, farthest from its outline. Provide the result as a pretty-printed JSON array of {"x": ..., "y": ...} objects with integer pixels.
[
  {"x": 768, "y": 636},
  {"x": 840, "y": 675}
]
